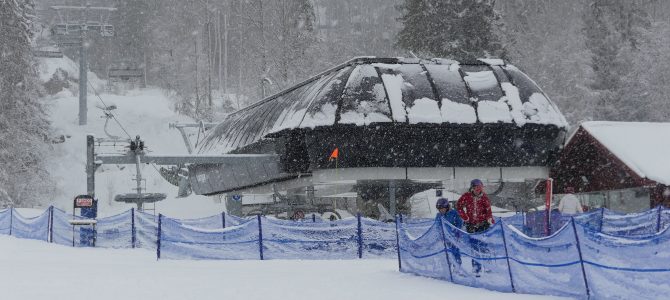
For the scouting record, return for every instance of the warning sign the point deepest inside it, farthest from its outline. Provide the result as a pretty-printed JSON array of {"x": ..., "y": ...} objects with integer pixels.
[{"x": 83, "y": 201}]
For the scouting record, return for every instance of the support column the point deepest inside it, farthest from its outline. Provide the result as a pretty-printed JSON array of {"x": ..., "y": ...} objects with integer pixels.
[
  {"x": 90, "y": 166},
  {"x": 83, "y": 79},
  {"x": 392, "y": 204}
]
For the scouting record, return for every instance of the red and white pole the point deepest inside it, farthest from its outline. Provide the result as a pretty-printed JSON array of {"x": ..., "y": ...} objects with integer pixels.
[{"x": 547, "y": 214}]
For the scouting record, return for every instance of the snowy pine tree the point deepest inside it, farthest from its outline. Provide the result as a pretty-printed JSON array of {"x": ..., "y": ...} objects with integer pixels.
[
  {"x": 462, "y": 30},
  {"x": 23, "y": 124},
  {"x": 613, "y": 30}
]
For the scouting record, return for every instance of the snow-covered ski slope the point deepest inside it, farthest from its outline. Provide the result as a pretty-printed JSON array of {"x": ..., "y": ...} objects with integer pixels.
[
  {"x": 38, "y": 270},
  {"x": 145, "y": 112}
]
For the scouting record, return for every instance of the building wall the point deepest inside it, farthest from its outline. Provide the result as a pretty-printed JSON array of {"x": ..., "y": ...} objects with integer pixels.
[
  {"x": 588, "y": 166},
  {"x": 600, "y": 176}
]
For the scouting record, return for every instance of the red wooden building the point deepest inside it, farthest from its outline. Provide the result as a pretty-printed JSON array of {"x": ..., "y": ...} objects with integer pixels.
[{"x": 624, "y": 166}]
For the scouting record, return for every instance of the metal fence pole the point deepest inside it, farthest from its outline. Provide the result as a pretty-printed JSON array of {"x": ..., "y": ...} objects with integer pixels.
[
  {"x": 397, "y": 243},
  {"x": 132, "y": 227},
  {"x": 158, "y": 238},
  {"x": 602, "y": 219},
  {"x": 223, "y": 219},
  {"x": 360, "y": 236},
  {"x": 51, "y": 224},
  {"x": 446, "y": 249},
  {"x": 260, "y": 236},
  {"x": 658, "y": 218},
  {"x": 509, "y": 267},
  {"x": 581, "y": 259},
  {"x": 11, "y": 219}
]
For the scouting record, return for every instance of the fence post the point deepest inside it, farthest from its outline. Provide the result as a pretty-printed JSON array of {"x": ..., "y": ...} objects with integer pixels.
[
  {"x": 602, "y": 219},
  {"x": 132, "y": 227},
  {"x": 158, "y": 238},
  {"x": 51, "y": 224},
  {"x": 260, "y": 236},
  {"x": 11, "y": 219},
  {"x": 360, "y": 236},
  {"x": 223, "y": 219},
  {"x": 509, "y": 266},
  {"x": 397, "y": 243},
  {"x": 581, "y": 260},
  {"x": 446, "y": 249},
  {"x": 658, "y": 218}
]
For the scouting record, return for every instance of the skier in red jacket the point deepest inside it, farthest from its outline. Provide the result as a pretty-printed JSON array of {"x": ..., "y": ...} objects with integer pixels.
[{"x": 474, "y": 207}]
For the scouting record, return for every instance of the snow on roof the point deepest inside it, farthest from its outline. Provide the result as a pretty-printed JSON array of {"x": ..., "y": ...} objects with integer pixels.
[
  {"x": 392, "y": 90},
  {"x": 643, "y": 147}
]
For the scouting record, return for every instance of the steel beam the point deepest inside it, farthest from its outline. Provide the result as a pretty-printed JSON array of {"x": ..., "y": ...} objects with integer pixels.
[{"x": 184, "y": 159}]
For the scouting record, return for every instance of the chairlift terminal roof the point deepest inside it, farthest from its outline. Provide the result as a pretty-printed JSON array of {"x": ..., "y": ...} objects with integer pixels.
[{"x": 376, "y": 91}]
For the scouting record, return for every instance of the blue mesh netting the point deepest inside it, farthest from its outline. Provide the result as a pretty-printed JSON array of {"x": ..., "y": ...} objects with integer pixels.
[
  {"x": 146, "y": 230},
  {"x": 535, "y": 223},
  {"x": 665, "y": 219},
  {"x": 35, "y": 228},
  {"x": 417, "y": 228},
  {"x": 235, "y": 220},
  {"x": 622, "y": 256},
  {"x": 64, "y": 233},
  {"x": 211, "y": 222},
  {"x": 378, "y": 239},
  {"x": 485, "y": 249},
  {"x": 626, "y": 268},
  {"x": 5, "y": 221},
  {"x": 115, "y": 231},
  {"x": 306, "y": 240},
  {"x": 423, "y": 254},
  {"x": 233, "y": 242},
  {"x": 638, "y": 224},
  {"x": 545, "y": 265}
]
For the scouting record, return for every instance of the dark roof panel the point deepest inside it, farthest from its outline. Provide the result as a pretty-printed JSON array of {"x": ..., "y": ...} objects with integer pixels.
[{"x": 365, "y": 91}]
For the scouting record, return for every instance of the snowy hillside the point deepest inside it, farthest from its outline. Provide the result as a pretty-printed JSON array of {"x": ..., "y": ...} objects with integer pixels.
[{"x": 144, "y": 112}]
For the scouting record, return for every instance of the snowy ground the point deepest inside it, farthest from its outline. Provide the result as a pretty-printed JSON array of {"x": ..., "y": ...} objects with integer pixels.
[{"x": 37, "y": 270}]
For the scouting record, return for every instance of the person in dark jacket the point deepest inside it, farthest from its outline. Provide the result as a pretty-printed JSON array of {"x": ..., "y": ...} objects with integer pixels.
[
  {"x": 451, "y": 215},
  {"x": 475, "y": 208}
]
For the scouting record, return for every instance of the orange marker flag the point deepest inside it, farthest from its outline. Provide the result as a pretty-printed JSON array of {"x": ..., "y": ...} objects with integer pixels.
[{"x": 335, "y": 154}]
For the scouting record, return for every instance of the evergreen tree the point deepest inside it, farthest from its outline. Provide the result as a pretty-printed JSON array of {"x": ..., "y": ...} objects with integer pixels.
[
  {"x": 23, "y": 124},
  {"x": 612, "y": 29},
  {"x": 462, "y": 30}
]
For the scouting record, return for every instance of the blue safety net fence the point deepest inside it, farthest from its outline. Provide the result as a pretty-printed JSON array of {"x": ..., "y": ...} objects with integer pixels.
[
  {"x": 600, "y": 254},
  {"x": 577, "y": 260},
  {"x": 645, "y": 223}
]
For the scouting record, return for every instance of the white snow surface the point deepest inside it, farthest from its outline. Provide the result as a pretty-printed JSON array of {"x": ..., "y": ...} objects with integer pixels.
[
  {"x": 48, "y": 271},
  {"x": 642, "y": 146},
  {"x": 144, "y": 112},
  {"x": 459, "y": 113},
  {"x": 482, "y": 80},
  {"x": 493, "y": 112},
  {"x": 424, "y": 110},
  {"x": 393, "y": 85}
]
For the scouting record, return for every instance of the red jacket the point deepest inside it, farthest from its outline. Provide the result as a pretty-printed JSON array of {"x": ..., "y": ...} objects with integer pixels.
[{"x": 474, "y": 210}]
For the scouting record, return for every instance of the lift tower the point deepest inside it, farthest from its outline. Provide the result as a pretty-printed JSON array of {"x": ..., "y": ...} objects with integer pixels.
[{"x": 73, "y": 33}]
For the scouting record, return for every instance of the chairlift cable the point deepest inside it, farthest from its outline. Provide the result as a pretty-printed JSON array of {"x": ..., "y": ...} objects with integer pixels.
[{"x": 106, "y": 107}]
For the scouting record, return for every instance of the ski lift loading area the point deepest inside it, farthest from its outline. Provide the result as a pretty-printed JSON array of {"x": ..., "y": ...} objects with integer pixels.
[
  {"x": 309, "y": 156},
  {"x": 384, "y": 129}
]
